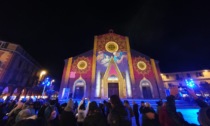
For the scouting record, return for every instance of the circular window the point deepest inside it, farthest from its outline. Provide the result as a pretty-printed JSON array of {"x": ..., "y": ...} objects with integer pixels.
[
  {"x": 111, "y": 47},
  {"x": 141, "y": 65},
  {"x": 82, "y": 65}
]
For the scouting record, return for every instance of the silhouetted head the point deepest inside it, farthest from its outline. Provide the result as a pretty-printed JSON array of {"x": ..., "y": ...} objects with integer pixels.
[
  {"x": 82, "y": 107},
  {"x": 204, "y": 116},
  {"x": 115, "y": 101},
  {"x": 93, "y": 106}
]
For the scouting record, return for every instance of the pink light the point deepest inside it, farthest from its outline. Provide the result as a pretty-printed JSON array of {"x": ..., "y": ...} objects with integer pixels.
[
  {"x": 72, "y": 74},
  {"x": 112, "y": 70}
]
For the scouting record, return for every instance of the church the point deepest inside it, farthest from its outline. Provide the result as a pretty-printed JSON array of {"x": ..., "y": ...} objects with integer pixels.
[{"x": 111, "y": 67}]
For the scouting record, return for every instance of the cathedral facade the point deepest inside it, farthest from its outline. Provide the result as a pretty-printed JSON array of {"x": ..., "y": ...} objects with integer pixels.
[{"x": 111, "y": 68}]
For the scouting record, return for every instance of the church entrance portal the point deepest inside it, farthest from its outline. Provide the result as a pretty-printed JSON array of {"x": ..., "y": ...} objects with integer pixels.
[
  {"x": 113, "y": 89},
  {"x": 147, "y": 92},
  {"x": 79, "y": 92}
]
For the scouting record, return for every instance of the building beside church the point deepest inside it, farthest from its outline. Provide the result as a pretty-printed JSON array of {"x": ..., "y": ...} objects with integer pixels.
[
  {"x": 18, "y": 70},
  {"x": 111, "y": 67},
  {"x": 199, "y": 80}
]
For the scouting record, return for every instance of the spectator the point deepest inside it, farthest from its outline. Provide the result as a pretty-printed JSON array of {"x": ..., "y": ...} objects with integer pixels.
[
  {"x": 50, "y": 114},
  {"x": 141, "y": 109},
  {"x": 82, "y": 112},
  {"x": 95, "y": 116},
  {"x": 136, "y": 113},
  {"x": 204, "y": 112},
  {"x": 159, "y": 105},
  {"x": 127, "y": 105},
  {"x": 67, "y": 117},
  {"x": 119, "y": 115},
  {"x": 168, "y": 115},
  {"x": 149, "y": 116}
]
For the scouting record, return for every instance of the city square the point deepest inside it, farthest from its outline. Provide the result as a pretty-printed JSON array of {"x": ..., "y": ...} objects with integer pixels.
[{"x": 141, "y": 64}]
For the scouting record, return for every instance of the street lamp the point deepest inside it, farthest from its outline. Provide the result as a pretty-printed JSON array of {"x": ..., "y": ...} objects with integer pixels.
[
  {"x": 42, "y": 73},
  {"x": 46, "y": 83},
  {"x": 52, "y": 81}
]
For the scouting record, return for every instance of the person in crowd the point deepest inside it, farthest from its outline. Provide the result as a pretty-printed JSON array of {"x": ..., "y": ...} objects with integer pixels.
[
  {"x": 67, "y": 117},
  {"x": 31, "y": 107},
  {"x": 141, "y": 109},
  {"x": 13, "y": 113},
  {"x": 168, "y": 116},
  {"x": 18, "y": 106},
  {"x": 127, "y": 105},
  {"x": 63, "y": 105},
  {"x": 159, "y": 105},
  {"x": 37, "y": 105},
  {"x": 107, "y": 108},
  {"x": 95, "y": 116},
  {"x": 119, "y": 115},
  {"x": 24, "y": 114},
  {"x": 82, "y": 111},
  {"x": 51, "y": 116},
  {"x": 136, "y": 113},
  {"x": 75, "y": 105},
  {"x": 42, "y": 109},
  {"x": 102, "y": 108},
  {"x": 204, "y": 112},
  {"x": 149, "y": 116}
]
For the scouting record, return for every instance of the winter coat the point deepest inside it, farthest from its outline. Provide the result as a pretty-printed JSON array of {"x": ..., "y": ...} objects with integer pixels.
[
  {"x": 119, "y": 116},
  {"x": 67, "y": 118},
  {"x": 95, "y": 119}
]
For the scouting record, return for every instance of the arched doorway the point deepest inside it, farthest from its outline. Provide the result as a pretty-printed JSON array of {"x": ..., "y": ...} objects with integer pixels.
[
  {"x": 79, "y": 88},
  {"x": 146, "y": 89},
  {"x": 113, "y": 85}
]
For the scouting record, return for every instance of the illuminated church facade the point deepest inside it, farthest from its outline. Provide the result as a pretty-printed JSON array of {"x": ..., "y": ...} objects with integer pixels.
[{"x": 111, "y": 68}]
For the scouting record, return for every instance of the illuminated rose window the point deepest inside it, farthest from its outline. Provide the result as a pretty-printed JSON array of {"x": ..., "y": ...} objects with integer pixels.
[
  {"x": 82, "y": 65},
  {"x": 141, "y": 65},
  {"x": 111, "y": 47}
]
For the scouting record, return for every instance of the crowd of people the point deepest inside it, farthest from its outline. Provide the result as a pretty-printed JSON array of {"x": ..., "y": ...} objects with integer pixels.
[{"x": 114, "y": 112}]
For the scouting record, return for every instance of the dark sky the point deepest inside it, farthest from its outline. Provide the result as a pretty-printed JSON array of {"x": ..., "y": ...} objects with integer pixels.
[{"x": 175, "y": 32}]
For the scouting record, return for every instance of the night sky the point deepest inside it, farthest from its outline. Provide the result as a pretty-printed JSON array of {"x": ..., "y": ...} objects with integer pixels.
[{"x": 176, "y": 33}]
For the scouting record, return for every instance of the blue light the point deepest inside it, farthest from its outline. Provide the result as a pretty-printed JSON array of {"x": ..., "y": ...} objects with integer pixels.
[
  {"x": 190, "y": 82},
  {"x": 46, "y": 81}
]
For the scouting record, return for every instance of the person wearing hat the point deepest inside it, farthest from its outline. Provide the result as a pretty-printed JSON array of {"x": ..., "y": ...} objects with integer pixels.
[{"x": 67, "y": 117}]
